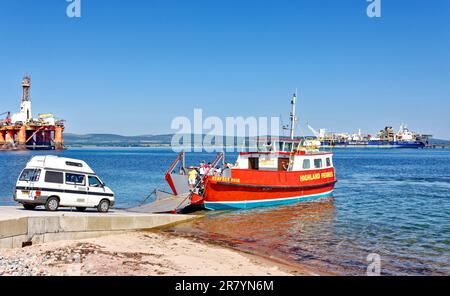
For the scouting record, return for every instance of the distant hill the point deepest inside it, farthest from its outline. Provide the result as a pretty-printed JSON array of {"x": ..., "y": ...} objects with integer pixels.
[
  {"x": 113, "y": 140},
  {"x": 433, "y": 141}
]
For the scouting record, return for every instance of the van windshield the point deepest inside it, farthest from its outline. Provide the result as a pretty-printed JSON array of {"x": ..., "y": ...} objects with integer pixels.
[
  {"x": 30, "y": 175},
  {"x": 94, "y": 182}
]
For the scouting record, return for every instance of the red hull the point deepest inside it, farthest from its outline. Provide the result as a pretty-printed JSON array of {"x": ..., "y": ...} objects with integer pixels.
[{"x": 251, "y": 185}]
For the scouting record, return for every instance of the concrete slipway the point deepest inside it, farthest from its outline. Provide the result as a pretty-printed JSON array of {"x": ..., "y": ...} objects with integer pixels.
[{"x": 18, "y": 226}]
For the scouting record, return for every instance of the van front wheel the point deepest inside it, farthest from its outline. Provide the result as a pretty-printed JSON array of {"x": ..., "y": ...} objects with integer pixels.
[
  {"x": 103, "y": 206},
  {"x": 52, "y": 204}
]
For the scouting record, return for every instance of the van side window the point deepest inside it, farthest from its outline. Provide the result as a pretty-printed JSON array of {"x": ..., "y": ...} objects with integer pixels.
[
  {"x": 54, "y": 177},
  {"x": 30, "y": 175},
  {"x": 75, "y": 179},
  {"x": 306, "y": 164},
  {"x": 94, "y": 182},
  {"x": 318, "y": 163},
  {"x": 328, "y": 162}
]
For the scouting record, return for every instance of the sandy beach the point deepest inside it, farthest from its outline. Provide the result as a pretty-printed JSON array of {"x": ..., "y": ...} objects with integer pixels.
[{"x": 136, "y": 254}]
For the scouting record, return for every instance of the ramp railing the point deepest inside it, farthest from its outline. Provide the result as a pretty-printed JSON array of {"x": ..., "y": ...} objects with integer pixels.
[
  {"x": 198, "y": 187},
  {"x": 181, "y": 157},
  {"x": 220, "y": 156}
]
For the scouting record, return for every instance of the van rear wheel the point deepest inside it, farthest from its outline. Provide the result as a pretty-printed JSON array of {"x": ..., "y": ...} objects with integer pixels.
[
  {"x": 29, "y": 207},
  {"x": 103, "y": 206},
  {"x": 52, "y": 204}
]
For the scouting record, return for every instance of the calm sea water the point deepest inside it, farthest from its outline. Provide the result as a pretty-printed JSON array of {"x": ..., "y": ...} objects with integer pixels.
[{"x": 395, "y": 203}]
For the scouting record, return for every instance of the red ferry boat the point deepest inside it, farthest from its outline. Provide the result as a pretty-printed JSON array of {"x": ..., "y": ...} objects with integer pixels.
[
  {"x": 262, "y": 178},
  {"x": 279, "y": 172},
  {"x": 270, "y": 179}
]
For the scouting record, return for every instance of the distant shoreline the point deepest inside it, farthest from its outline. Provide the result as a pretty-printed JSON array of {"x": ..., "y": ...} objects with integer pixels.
[
  {"x": 240, "y": 147},
  {"x": 165, "y": 141},
  {"x": 153, "y": 146}
]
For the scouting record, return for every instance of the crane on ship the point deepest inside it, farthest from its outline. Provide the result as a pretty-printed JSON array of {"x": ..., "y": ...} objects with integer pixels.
[
  {"x": 316, "y": 133},
  {"x": 7, "y": 119}
]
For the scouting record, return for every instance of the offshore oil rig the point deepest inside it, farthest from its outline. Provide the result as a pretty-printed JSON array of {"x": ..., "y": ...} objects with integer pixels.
[{"x": 21, "y": 131}]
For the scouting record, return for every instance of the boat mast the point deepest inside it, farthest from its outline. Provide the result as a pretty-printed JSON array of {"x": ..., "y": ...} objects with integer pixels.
[{"x": 293, "y": 116}]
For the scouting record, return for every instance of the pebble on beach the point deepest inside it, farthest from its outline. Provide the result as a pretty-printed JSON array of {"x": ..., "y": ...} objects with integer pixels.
[{"x": 20, "y": 267}]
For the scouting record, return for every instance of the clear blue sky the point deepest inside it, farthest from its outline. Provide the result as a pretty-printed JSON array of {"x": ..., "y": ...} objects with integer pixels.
[{"x": 130, "y": 67}]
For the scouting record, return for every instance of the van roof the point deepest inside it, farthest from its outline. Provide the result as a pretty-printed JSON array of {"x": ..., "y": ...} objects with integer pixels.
[{"x": 60, "y": 163}]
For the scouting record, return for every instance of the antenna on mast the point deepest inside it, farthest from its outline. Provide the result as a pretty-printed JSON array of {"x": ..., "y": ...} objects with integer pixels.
[{"x": 293, "y": 116}]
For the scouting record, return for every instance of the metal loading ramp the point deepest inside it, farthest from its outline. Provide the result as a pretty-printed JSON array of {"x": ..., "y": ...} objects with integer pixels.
[
  {"x": 166, "y": 203},
  {"x": 181, "y": 198}
]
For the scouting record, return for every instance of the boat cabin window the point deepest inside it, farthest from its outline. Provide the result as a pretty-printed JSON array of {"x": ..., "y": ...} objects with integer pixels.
[
  {"x": 75, "y": 179},
  {"x": 306, "y": 164},
  {"x": 253, "y": 163},
  {"x": 287, "y": 147},
  {"x": 30, "y": 175},
  {"x": 318, "y": 163},
  {"x": 280, "y": 146},
  {"x": 265, "y": 146},
  {"x": 328, "y": 162},
  {"x": 54, "y": 177}
]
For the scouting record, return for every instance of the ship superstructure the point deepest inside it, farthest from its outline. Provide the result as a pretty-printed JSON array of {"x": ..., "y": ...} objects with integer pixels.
[{"x": 385, "y": 138}]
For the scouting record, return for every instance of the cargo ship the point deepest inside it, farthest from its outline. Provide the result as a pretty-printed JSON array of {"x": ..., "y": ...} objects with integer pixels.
[{"x": 386, "y": 138}]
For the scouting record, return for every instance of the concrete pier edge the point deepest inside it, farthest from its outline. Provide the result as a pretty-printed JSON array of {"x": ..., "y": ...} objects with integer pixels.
[{"x": 20, "y": 227}]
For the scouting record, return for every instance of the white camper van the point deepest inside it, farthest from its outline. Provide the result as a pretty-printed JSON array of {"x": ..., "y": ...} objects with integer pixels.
[{"x": 56, "y": 181}]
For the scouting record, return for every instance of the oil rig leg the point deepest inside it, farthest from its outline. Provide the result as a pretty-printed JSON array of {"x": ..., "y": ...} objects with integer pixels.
[
  {"x": 22, "y": 138},
  {"x": 58, "y": 138},
  {"x": 2, "y": 138},
  {"x": 9, "y": 139}
]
